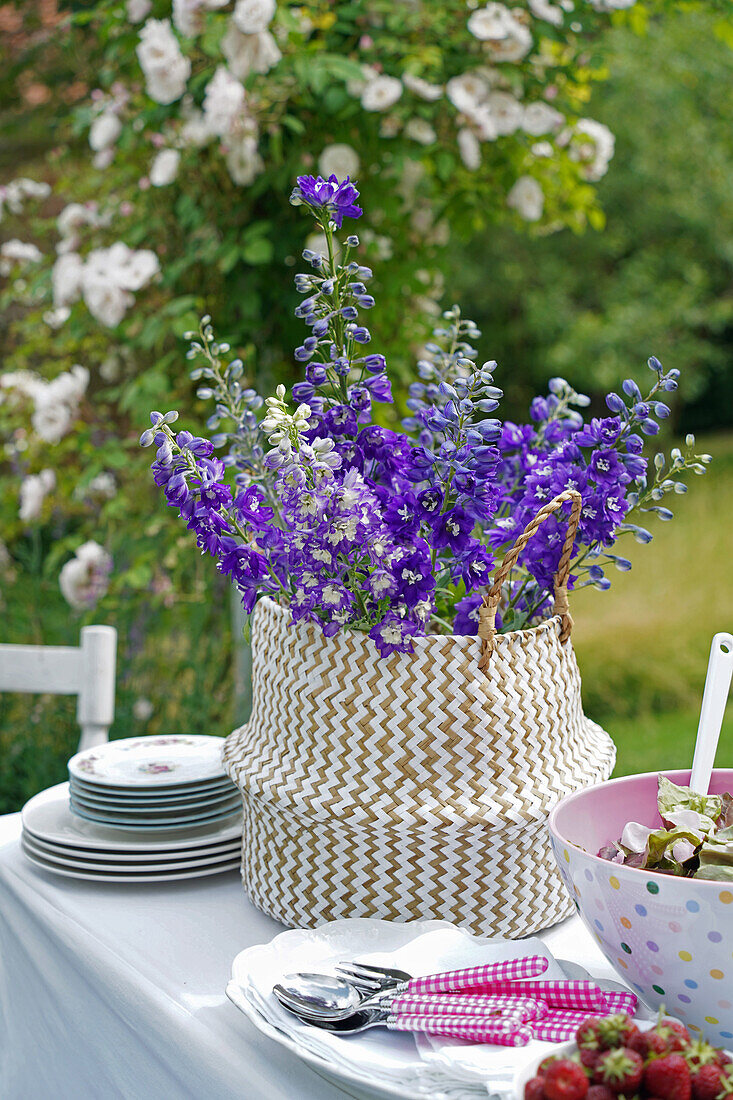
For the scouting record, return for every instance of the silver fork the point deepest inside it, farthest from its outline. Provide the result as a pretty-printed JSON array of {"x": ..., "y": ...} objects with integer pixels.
[{"x": 372, "y": 979}]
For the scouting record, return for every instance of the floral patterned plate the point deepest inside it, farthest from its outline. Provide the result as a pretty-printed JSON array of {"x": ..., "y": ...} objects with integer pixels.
[{"x": 151, "y": 761}]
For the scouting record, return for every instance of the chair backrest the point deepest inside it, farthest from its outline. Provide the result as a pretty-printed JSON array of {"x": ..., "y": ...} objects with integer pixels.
[{"x": 87, "y": 671}]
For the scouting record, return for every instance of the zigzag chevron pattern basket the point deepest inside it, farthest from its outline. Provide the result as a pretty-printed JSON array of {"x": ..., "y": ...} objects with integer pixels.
[{"x": 414, "y": 786}]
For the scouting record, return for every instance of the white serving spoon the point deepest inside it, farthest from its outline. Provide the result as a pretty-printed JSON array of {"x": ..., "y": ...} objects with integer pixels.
[{"x": 715, "y": 696}]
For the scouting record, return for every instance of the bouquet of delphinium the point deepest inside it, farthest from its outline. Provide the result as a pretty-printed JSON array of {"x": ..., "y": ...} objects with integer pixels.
[{"x": 352, "y": 525}]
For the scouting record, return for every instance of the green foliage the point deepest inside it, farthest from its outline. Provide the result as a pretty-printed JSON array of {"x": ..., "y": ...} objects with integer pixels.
[{"x": 658, "y": 280}]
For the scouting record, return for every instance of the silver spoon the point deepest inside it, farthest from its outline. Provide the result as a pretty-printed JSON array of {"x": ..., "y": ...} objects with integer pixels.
[{"x": 322, "y": 996}]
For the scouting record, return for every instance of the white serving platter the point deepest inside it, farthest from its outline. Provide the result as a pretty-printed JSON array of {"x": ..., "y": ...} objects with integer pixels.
[
  {"x": 83, "y": 863},
  {"x": 119, "y": 877}
]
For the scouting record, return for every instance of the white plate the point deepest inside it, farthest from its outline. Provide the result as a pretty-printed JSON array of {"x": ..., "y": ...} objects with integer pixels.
[
  {"x": 156, "y": 794},
  {"x": 152, "y": 805},
  {"x": 104, "y": 876},
  {"x": 157, "y": 813},
  {"x": 48, "y": 817},
  {"x": 187, "y": 821},
  {"x": 62, "y": 851},
  {"x": 83, "y": 863},
  {"x": 151, "y": 761},
  {"x": 377, "y": 1057}
]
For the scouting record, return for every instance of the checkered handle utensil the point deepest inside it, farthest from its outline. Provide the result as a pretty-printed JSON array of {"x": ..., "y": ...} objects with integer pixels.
[
  {"x": 451, "y": 1004},
  {"x": 557, "y": 994},
  {"x": 479, "y": 978},
  {"x": 621, "y": 1002},
  {"x": 474, "y": 1028},
  {"x": 554, "y": 1031}
]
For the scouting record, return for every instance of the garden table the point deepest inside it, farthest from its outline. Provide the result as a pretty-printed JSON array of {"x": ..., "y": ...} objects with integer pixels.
[{"x": 111, "y": 992}]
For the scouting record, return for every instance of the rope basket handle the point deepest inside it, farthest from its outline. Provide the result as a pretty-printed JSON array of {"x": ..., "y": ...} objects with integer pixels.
[{"x": 487, "y": 611}]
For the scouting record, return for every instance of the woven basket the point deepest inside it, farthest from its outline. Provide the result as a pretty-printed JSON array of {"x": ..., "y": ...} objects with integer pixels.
[{"x": 419, "y": 785}]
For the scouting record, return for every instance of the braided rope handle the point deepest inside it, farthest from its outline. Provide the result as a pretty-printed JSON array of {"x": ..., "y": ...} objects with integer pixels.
[{"x": 487, "y": 612}]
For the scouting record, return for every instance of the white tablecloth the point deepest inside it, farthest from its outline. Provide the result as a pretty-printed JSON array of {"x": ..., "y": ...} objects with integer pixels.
[{"x": 111, "y": 992}]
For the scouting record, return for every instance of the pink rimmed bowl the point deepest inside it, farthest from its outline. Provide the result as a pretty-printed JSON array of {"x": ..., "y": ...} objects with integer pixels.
[{"x": 670, "y": 939}]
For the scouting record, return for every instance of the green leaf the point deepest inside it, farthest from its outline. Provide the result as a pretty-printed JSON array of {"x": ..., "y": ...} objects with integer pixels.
[
  {"x": 671, "y": 798},
  {"x": 258, "y": 251}
]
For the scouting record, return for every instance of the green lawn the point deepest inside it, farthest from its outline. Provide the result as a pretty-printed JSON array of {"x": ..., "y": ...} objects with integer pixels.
[{"x": 643, "y": 646}]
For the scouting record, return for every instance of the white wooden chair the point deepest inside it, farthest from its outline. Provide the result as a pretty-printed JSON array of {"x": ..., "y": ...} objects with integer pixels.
[{"x": 87, "y": 671}]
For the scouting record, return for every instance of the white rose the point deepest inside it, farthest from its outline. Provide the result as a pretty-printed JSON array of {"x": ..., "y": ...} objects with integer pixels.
[
  {"x": 540, "y": 118},
  {"x": 422, "y": 88},
  {"x": 52, "y": 422},
  {"x": 164, "y": 168},
  {"x": 339, "y": 160},
  {"x": 527, "y": 198},
  {"x": 66, "y": 276},
  {"x": 593, "y": 146},
  {"x": 224, "y": 100},
  {"x": 418, "y": 129},
  {"x": 249, "y": 53},
  {"x": 467, "y": 91},
  {"x": 33, "y": 491},
  {"x": 551, "y": 13},
  {"x": 103, "y": 485},
  {"x": 490, "y": 23},
  {"x": 137, "y": 10},
  {"x": 253, "y": 16},
  {"x": 104, "y": 131},
  {"x": 243, "y": 161},
  {"x": 20, "y": 251},
  {"x": 194, "y": 130},
  {"x": 514, "y": 46},
  {"x": 611, "y": 5},
  {"x": 381, "y": 93},
  {"x": 166, "y": 69},
  {"x": 469, "y": 149},
  {"x": 85, "y": 578},
  {"x": 107, "y": 303},
  {"x": 506, "y": 112},
  {"x": 187, "y": 17}
]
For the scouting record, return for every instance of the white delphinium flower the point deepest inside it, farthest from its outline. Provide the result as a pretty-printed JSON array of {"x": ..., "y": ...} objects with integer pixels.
[
  {"x": 137, "y": 10},
  {"x": 506, "y": 112},
  {"x": 469, "y": 149},
  {"x": 339, "y": 160},
  {"x": 164, "y": 168},
  {"x": 224, "y": 100},
  {"x": 423, "y": 88},
  {"x": 165, "y": 68},
  {"x": 381, "y": 92},
  {"x": 253, "y": 16},
  {"x": 33, "y": 491},
  {"x": 85, "y": 578},
  {"x": 592, "y": 144},
  {"x": 506, "y": 38},
  {"x": 249, "y": 53},
  {"x": 104, "y": 131},
  {"x": 420, "y": 130},
  {"x": 243, "y": 160},
  {"x": 551, "y": 13},
  {"x": 540, "y": 118},
  {"x": 527, "y": 198}
]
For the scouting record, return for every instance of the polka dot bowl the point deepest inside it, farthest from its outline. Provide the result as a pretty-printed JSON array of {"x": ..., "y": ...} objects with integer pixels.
[{"x": 670, "y": 939}]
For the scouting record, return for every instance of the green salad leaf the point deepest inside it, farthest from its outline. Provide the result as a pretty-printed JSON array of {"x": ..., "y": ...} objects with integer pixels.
[
  {"x": 716, "y": 856},
  {"x": 671, "y": 798}
]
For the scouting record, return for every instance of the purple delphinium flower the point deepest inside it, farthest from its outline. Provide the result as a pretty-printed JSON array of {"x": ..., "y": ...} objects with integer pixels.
[{"x": 338, "y": 199}]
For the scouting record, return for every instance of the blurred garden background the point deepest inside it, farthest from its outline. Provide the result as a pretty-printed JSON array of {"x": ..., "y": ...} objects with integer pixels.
[{"x": 580, "y": 248}]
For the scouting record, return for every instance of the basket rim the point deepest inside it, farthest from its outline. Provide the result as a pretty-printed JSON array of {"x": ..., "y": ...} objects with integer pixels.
[{"x": 527, "y": 634}]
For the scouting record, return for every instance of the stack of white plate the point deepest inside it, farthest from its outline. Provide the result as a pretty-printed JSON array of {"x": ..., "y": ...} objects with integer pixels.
[
  {"x": 57, "y": 840},
  {"x": 168, "y": 782}
]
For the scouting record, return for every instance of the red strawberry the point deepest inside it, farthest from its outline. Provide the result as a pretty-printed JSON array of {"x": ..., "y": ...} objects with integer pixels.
[
  {"x": 600, "y": 1092},
  {"x": 707, "y": 1082},
  {"x": 535, "y": 1089},
  {"x": 621, "y": 1069},
  {"x": 668, "y": 1078},
  {"x": 545, "y": 1064},
  {"x": 726, "y": 1083},
  {"x": 677, "y": 1033},
  {"x": 588, "y": 1035},
  {"x": 566, "y": 1080},
  {"x": 699, "y": 1053},
  {"x": 605, "y": 1033},
  {"x": 589, "y": 1058},
  {"x": 653, "y": 1044}
]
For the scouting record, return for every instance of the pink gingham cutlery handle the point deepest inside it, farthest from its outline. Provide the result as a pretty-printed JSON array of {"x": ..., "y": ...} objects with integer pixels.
[
  {"x": 620, "y": 1002},
  {"x": 456, "y": 1004},
  {"x": 557, "y": 994},
  {"x": 479, "y": 978},
  {"x": 473, "y": 1028}
]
